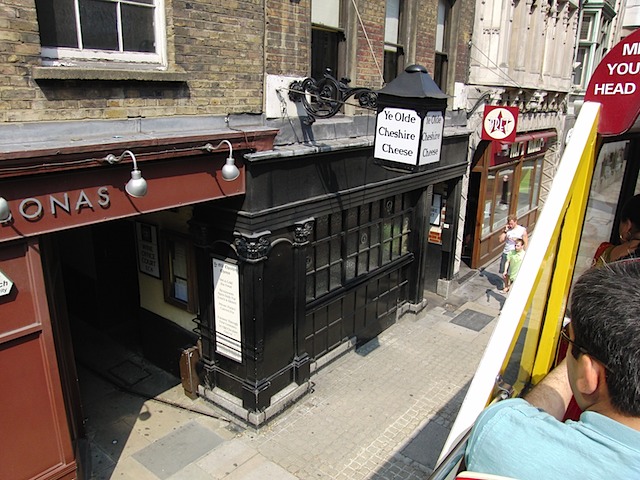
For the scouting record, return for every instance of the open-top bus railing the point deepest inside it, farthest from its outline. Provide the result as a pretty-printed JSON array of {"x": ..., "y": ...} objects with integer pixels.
[{"x": 522, "y": 346}]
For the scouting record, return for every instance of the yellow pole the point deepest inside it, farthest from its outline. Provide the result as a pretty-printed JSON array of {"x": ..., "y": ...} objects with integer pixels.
[{"x": 570, "y": 232}]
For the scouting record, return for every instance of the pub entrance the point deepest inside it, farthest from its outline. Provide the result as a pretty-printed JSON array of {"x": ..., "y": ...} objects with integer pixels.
[
  {"x": 92, "y": 290},
  {"x": 100, "y": 277}
]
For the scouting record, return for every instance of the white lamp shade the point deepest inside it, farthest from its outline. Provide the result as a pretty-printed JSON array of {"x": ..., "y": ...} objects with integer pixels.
[
  {"x": 137, "y": 186},
  {"x": 230, "y": 171},
  {"x": 5, "y": 212}
]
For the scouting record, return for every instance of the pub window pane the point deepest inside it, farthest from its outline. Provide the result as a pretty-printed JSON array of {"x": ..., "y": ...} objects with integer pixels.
[
  {"x": 335, "y": 276},
  {"x": 375, "y": 234},
  {"x": 310, "y": 287},
  {"x": 373, "y": 258},
  {"x": 352, "y": 243},
  {"x": 350, "y": 269},
  {"x": 386, "y": 252},
  {"x": 336, "y": 253},
  {"x": 488, "y": 203},
  {"x": 137, "y": 29},
  {"x": 336, "y": 224},
  {"x": 364, "y": 239},
  {"x": 322, "y": 282},
  {"x": 322, "y": 227},
  {"x": 525, "y": 188},
  {"x": 98, "y": 23},
  {"x": 387, "y": 230},
  {"x": 502, "y": 198},
  {"x": 388, "y": 206},
  {"x": 362, "y": 263},
  {"x": 322, "y": 255},
  {"x": 405, "y": 235},
  {"x": 57, "y": 21},
  {"x": 536, "y": 184}
]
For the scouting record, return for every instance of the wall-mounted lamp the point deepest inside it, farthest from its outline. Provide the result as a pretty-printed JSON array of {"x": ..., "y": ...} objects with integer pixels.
[
  {"x": 229, "y": 171},
  {"x": 136, "y": 186},
  {"x": 5, "y": 212}
]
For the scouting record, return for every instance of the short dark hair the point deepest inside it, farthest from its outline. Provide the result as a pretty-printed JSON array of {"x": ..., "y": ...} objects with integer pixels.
[
  {"x": 605, "y": 316},
  {"x": 631, "y": 211}
]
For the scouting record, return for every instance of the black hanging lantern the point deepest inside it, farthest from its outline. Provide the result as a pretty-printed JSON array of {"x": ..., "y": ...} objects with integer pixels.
[{"x": 410, "y": 120}]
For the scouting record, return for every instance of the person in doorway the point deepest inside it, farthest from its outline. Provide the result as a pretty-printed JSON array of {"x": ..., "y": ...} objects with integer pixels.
[
  {"x": 511, "y": 231},
  {"x": 629, "y": 233},
  {"x": 525, "y": 438},
  {"x": 512, "y": 265}
]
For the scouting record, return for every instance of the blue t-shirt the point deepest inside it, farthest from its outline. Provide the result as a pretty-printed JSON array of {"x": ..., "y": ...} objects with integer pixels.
[{"x": 514, "y": 439}]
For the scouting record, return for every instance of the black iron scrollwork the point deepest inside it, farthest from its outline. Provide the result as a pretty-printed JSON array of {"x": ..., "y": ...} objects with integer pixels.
[{"x": 324, "y": 98}]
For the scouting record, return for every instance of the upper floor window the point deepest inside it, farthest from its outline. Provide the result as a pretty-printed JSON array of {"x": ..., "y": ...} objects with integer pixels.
[
  {"x": 586, "y": 28},
  {"x": 327, "y": 35},
  {"x": 393, "y": 50},
  {"x": 107, "y": 30},
  {"x": 442, "y": 45}
]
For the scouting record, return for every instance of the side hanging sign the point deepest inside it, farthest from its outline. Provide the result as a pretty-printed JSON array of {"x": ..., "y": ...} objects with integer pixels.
[{"x": 500, "y": 123}]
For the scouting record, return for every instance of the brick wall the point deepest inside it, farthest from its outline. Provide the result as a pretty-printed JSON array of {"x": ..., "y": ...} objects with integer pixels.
[
  {"x": 217, "y": 43},
  {"x": 425, "y": 44},
  {"x": 288, "y": 38},
  {"x": 465, "y": 27},
  {"x": 372, "y": 14}
]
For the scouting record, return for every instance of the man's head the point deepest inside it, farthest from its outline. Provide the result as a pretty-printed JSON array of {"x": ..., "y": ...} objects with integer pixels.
[
  {"x": 519, "y": 244},
  {"x": 512, "y": 221},
  {"x": 605, "y": 319}
]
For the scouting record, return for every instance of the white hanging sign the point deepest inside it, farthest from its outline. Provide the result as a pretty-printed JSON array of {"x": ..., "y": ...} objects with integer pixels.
[
  {"x": 397, "y": 135},
  {"x": 432, "y": 129}
]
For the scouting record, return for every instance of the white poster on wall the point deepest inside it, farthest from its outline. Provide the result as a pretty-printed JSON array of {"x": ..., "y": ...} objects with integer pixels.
[
  {"x": 148, "y": 259},
  {"x": 226, "y": 303}
]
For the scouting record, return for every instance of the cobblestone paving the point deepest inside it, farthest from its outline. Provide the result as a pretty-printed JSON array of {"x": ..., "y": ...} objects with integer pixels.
[{"x": 369, "y": 404}]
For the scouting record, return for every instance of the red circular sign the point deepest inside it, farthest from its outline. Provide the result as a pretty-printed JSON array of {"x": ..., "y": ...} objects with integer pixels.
[{"x": 615, "y": 85}]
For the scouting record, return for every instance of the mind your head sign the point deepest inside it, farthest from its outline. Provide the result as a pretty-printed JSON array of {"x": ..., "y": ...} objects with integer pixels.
[
  {"x": 404, "y": 137},
  {"x": 616, "y": 85}
]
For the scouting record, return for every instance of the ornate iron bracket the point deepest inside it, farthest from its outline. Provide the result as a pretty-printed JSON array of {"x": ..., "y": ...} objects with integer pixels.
[{"x": 324, "y": 98}]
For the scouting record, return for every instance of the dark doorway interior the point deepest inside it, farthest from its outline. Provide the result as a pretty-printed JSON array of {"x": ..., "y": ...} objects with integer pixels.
[
  {"x": 101, "y": 280},
  {"x": 92, "y": 285}
]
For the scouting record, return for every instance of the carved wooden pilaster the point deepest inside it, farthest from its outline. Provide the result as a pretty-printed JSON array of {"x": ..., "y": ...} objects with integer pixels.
[
  {"x": 302, "y": 231},
  {"x": 254, "y": 247}
]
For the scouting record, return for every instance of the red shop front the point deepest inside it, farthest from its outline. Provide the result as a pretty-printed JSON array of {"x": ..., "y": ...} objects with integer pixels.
[{"x": 64, "y": 189}]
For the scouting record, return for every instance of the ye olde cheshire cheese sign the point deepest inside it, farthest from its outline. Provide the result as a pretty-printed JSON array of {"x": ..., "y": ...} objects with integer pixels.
[
  {"x": 403, "y": 137},
  {"x": 614, "y": 84}
]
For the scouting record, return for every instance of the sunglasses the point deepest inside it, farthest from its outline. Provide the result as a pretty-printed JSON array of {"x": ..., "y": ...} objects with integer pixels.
[{"x": 565, "y": 335}]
